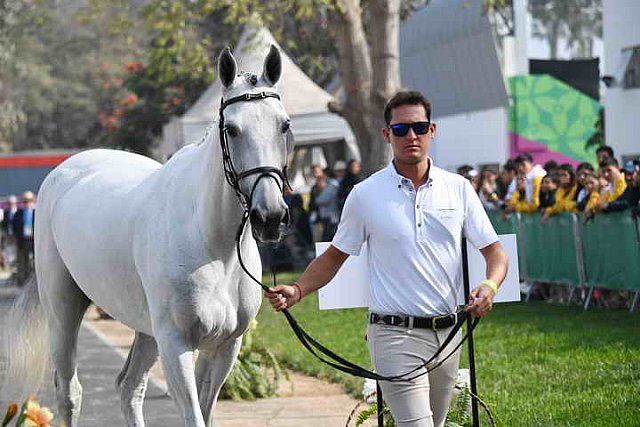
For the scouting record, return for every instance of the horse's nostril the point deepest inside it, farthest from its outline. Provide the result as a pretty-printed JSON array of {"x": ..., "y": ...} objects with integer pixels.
[{"x": 256, "y": 216}]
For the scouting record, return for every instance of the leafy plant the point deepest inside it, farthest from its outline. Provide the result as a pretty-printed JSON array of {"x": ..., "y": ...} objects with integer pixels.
[
  {"x": 257, "y": 372},
  {"x": 458, "y": 415}
]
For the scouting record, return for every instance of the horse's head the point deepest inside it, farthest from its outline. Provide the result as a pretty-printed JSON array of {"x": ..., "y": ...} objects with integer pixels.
[{"x": 256, "y": 139}]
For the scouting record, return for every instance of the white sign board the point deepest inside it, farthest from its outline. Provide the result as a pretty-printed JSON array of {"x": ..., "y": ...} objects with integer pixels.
[{"x": 349, "y": 288}]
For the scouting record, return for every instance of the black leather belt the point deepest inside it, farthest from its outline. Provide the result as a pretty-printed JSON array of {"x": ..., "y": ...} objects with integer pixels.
[{"x": 435, "y": 322}]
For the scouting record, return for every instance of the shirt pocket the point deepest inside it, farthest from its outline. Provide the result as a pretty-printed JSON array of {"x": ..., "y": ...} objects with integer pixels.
[{"x": 441, "y": 223}]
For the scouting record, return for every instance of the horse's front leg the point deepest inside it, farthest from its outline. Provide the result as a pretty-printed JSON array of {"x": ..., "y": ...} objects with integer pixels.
[
  {"x": 212, "y": 370},
  {"x": 176, "y": 354}
]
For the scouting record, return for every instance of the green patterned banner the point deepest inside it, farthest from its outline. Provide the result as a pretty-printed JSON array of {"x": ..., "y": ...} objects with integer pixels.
[{"x": 550, "y": 118}]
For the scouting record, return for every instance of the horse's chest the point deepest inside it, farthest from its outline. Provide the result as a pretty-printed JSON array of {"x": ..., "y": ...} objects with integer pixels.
[{"x": 214, "y": 311}]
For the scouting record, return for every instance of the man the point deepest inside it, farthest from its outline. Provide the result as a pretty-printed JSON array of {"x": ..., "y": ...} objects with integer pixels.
[
  {"x": 326, "y": 202},
  {"x": 412, "y": 215},
  {"x": 631, "y": 195},
  {"x": 604, "y": 152},
  {"x": 616, "y": 183},
  {"x": 339, "y": 171},
  {"x": 352, "y": 178},
  {"x": 529, "y": 201},
  {"x": 23, "y": 223},
  {"x": 507, "y": 176}
]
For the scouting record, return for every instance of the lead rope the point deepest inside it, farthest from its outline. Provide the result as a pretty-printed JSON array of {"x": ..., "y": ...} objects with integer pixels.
[
  {"x": 338, "y": 362},
  {"x": 343, "y": 365}
]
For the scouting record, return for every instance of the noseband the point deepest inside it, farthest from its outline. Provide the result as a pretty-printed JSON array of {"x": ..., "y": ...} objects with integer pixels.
[{"x": 230, "y": 173}]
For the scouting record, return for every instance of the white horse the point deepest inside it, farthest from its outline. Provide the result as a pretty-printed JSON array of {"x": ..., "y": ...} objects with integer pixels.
[{"x": 154, "y": 246}]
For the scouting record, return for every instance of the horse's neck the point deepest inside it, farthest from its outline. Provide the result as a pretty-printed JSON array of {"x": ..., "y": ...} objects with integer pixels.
[{"x": 217, "y": 212}]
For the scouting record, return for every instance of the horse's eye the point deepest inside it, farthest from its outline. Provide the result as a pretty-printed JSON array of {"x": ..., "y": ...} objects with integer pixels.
[
  {"x": 232, "y": 131},
  {"x": 286, "y": 126}
]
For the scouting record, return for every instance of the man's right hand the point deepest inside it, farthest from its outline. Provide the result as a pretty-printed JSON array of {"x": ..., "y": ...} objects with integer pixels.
[{"x": 283, "y": 296}]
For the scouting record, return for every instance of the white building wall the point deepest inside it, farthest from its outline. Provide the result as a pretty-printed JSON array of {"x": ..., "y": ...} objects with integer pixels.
[
  {"x": 621, "y": 29},
  {"x": 476, "y": 138}
]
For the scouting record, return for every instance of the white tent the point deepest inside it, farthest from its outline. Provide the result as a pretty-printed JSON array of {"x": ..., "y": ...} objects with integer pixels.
[{"x": 306, "y": 102}]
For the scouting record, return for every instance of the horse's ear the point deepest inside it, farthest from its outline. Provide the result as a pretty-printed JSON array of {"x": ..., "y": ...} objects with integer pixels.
[
  {"x": 272, "y": 66},
  {"x": 227, "y": 67}
]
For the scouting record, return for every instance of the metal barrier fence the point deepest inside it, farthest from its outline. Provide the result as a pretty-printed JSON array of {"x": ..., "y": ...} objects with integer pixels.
[{"x": 603, "y": 253}]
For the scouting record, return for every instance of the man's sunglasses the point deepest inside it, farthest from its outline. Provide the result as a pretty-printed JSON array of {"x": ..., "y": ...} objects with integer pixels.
[{"x": 401, "y": 129}]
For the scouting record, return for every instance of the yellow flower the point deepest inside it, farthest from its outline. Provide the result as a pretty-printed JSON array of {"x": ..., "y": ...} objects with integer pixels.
[{"x": 36, "y": 415}]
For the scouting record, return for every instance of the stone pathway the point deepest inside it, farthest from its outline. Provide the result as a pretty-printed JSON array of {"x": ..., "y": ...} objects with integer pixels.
[{"x": 103, "y": 345}]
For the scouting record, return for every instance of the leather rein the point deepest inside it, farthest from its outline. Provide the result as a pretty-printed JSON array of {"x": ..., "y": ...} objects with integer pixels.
[{"x": 318, "y": 350}]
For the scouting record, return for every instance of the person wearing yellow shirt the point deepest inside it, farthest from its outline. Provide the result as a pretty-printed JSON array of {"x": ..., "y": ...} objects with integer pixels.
[
  {"x": 566, "y": 193},
  {"x": 592, "y": 200},
  {"x": 615, "y": 178},
  {"x": 528, "y": 199}
]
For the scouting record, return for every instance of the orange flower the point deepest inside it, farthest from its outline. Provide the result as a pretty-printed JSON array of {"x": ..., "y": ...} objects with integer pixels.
[
  {"x": 176, "y": 100},
  {"x": 36, "y": 415},
  {"x": 132, "y": 67},
  {"x": 129, "y": 101}
]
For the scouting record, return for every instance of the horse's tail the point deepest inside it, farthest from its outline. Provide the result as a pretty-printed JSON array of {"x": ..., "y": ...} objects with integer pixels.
[{"x": 26, "y": 345}]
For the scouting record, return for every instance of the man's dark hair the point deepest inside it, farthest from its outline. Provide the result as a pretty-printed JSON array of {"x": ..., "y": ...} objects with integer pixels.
[
  {"x": 550, "y": 166},
  {"x": 606, "y": 149},
  {"x": 464, "y": 169},
  {"x": 584, "y": 165},
  {"x": 406, "y": 97},
  {"x": 609, "y": 161},
  {"x": 509, "y": 166},
  {"x": 523, "y": 157}
]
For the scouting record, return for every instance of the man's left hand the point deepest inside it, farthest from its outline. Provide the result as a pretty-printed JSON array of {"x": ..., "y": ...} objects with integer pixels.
[{"x": 480, "y": 301}]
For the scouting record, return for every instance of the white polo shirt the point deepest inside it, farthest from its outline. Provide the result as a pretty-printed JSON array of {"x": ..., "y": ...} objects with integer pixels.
[{"x": 414, "y": 238}]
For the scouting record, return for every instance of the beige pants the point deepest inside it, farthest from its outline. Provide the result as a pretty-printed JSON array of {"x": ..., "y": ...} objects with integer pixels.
[{"x": 423, "y": 402}]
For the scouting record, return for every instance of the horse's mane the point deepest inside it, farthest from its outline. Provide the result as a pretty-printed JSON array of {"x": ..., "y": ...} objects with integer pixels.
[{"x": 208, "y": 133}]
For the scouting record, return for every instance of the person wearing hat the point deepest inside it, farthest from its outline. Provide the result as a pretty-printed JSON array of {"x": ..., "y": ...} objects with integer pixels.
[
  {"x": 339, "y": 171},
  {"x": 631, "y": 195},
  {"x": 22, "y": 224}
]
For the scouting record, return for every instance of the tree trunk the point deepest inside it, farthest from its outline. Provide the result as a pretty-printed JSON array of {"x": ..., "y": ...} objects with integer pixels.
[
  {"x": 355, "y": 69},
  {"x": 367, "y": 88},
  {"x": 385, "y": 60}
]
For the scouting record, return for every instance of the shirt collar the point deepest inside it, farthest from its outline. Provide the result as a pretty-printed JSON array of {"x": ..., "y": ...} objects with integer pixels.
[{"x": 434, "y": 173}]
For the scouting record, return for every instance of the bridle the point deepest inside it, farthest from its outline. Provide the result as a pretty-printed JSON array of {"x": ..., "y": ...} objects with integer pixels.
[{"x": 232, "y": 176}]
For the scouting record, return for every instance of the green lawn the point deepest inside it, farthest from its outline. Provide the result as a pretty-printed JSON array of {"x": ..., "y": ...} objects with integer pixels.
[{"x": 537, "y": 364}]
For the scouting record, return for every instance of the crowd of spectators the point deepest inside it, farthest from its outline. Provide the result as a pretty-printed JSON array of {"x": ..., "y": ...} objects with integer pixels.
[
  {"x": 17, "y": 219},
  {"x": 314, "y": 216},
  {"x": 523, "y": 186}
]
